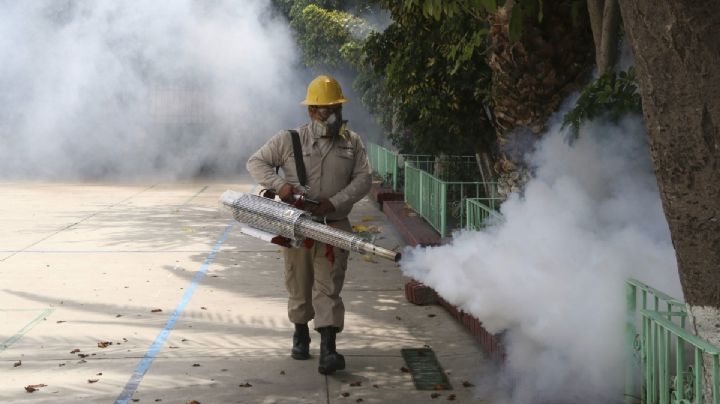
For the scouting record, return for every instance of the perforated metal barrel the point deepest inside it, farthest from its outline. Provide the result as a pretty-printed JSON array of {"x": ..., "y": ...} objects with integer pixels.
[
  {"x": 287, "y": 221},
  {"x": 264, "y": 214},
  {"x": 342, "y": 239}
]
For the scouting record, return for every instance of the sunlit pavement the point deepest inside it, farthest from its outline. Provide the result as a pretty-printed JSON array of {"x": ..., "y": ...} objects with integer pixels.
[{"x": 192, "y": 309}]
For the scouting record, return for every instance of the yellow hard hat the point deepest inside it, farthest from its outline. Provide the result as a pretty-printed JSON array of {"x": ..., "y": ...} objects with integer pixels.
[{"x": 324, "y": 90}]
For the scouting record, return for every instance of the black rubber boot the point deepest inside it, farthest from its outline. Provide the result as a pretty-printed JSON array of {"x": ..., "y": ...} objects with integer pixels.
[
  {"x": 330, "y": 360},
  {"x": 301, "y": 342}
]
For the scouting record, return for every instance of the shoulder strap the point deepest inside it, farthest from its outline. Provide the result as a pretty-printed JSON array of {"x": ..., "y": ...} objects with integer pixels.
[{"x": 299, "y": 163}]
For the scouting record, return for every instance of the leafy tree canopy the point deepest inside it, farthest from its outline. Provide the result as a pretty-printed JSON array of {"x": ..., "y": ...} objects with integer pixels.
[
  {"x": 435, "y": 72},
  {"x": 611, "y": 96}
]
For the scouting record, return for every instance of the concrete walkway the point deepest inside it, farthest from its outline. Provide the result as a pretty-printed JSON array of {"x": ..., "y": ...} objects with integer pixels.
[{"x": 191, "y": 309}]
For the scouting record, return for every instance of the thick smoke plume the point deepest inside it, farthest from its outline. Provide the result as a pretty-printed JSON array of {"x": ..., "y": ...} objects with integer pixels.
[
  {"x": 137, "y": 89},
  {"x": 551, "y": 275}
]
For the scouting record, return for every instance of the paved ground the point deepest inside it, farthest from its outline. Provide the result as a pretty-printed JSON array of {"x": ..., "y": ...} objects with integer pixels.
[{"x": 193, "y": 308}]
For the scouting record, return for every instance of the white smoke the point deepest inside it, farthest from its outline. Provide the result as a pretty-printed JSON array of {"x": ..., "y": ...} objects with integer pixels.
[
  {"x": 552, "y": 274},
  {"x": 125, "y": 89}
]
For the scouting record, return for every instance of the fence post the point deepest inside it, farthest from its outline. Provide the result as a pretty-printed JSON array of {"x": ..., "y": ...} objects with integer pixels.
[
  {"x": 420, "y": 198},
  {"x": 630, "y": 335},
  {"x": 443, "y": 209},
  {"x": 395, "y": 172}
]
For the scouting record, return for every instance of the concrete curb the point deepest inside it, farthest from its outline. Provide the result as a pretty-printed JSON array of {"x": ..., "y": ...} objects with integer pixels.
[
  {"x": 381, "y": 194},
  {"x": 416, "y": 232}
]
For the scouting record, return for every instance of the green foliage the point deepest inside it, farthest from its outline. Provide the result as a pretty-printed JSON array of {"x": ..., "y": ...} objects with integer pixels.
[
  {"x": 424, "y": 78},
  {"x": 521, "y": 10},
  {"x": 437, "y": 9},
  {"x": 328, "y": 37},
  {"x": 436, "y": 75},
  {"x": 515, "y": 24},
  {"x": 611, "y": 96}
]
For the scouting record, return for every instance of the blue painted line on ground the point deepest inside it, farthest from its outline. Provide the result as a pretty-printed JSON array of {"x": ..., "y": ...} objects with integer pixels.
[{"x": 154, "y": 349}]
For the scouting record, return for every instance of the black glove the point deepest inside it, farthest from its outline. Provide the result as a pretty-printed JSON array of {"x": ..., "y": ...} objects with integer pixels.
[{"x": 323, "y": 208}]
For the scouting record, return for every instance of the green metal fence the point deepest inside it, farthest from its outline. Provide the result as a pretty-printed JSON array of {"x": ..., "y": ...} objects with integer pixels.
[
  {"x": 384, "y": 164},
  {"x": 389, "y": 166},
  {"x": 478, "y": 211},
  {"x": 665, "y": 360},
  {"x": 437, "y": 189}
]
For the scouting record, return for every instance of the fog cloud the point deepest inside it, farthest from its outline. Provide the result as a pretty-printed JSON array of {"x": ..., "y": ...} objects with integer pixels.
[
  {"x": 136, "y": 89},
  {"x": 551, "y": 275}
]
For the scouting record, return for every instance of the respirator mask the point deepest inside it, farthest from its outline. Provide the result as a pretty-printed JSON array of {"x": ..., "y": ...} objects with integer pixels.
[{"x": 333, "y": 125}]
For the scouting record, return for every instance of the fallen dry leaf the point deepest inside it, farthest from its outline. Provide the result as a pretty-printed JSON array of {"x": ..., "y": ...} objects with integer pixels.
[
  {"x": 432, "y": 315},
  {"x": 368, "y": 258},
  {"x": 61, "y": 321},
  {"x": 439, "y": 387},
  {"x": 203, "y": 308},
  {"x": 376, "y": 386},
  {"x": 356, "y": 384},
  {"x": 282, "y": 372},
  {"x": 193, "y": 402},
  {"x": 404, "y": 369},
  {"x": 98, "y": 374},
  {"x": 359, "y": 228},
  {"x": 467, "y": 384},
  {"x": 118, "y": 315},
  {"x": 83, "y": 355},
  {"x": 93, "y": 380},
  {"x": 435, "y": 395},
  {"x": 398, "y": 318},
  {"x": 104, "y": 344},
  {"x": 451, "y": 397},
  {"x": 245, "y": 385},
  {"x": 345, "y": 394},
  {"x": 196, "y": 365},
  {"x": 61, "y": 364},
  {"x": 75, "y": 351},
  {"x": 16, "y": 364},
  {"x": 34, "y": 387},
  {"x": 155, "y": 310},
  {"x": 359, "y": 400}
]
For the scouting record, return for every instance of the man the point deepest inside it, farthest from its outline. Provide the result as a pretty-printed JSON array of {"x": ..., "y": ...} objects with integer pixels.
[{"x": 337, "y": 176}]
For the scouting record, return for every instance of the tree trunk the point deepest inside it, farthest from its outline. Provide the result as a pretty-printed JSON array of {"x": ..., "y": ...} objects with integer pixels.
[
  {"x": 607, "y": 55},
  {"x": 605, "y": 23},
  {"x": 595, "y": 12},
  {"x": 532, "y": 76},
  {"x": 487, "y": 175},
  {"x": 676, "y": 44}
]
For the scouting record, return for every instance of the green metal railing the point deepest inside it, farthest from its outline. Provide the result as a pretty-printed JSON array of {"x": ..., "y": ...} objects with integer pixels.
[
  {"x": 479, "y": 210},
  {"x": 437, "y": 189},
  {"x": 389, "y": 166},
  {"x": 384, "y": 164},
  {"x": 664, "y": 356}
]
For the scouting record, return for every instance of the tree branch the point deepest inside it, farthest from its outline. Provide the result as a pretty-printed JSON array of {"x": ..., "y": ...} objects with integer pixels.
[{"x": 607, "y": 56}]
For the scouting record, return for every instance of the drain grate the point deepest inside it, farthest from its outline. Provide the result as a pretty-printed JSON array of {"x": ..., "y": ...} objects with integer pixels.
[{"x": 425, "y": 369}]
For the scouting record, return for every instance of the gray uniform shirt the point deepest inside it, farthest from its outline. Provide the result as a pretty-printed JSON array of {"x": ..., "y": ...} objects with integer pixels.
[{"x": 337, "y": 168}]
